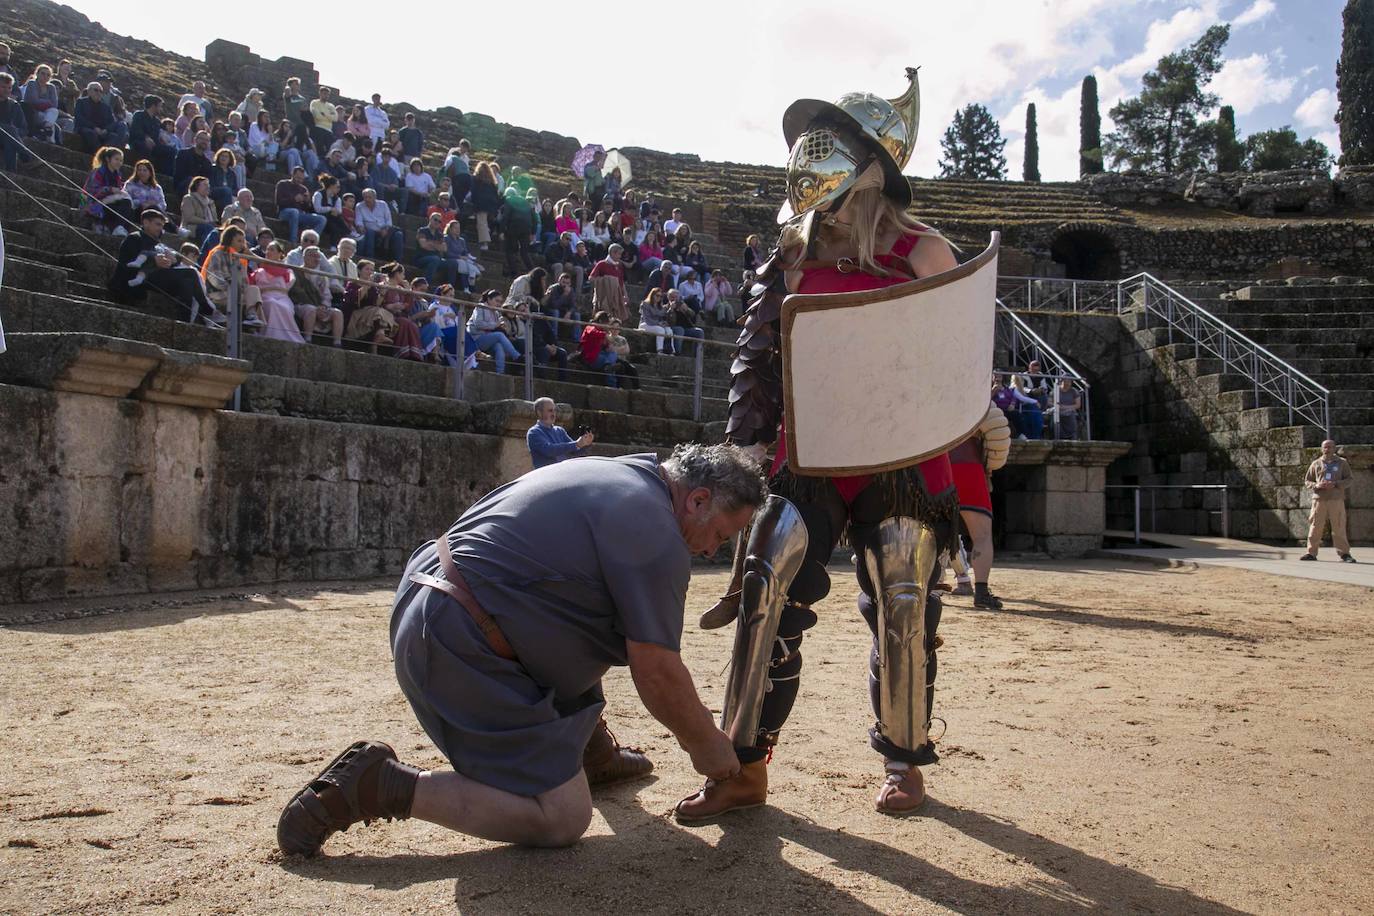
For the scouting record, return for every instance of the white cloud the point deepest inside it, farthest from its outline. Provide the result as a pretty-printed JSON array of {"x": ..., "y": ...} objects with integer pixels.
[
  {"x": 1332, "y": 139},
  {"x": 1254, "y": 13},
  {"x": 1317, "y": 110},
  {"x": 1246, "y": 83}
]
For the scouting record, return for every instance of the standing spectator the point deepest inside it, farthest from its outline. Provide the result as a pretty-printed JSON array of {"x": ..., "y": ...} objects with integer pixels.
[
  {"x": 144, "y": 263},
  {"x": 716, "y": 299},
  {"x": 486, "y": 327},
  {"x": 192, "y": 163},
  {"x": 412, "y": 138},
  {"x": 560, "y": 301},
  {"x": 684, "y": 321},
  {"x": 323, "y": 114},
  {"x": 40, "y": 98},
  {"x": 96, "y": 123},
  {"x": 419, "y": 184},
  {"x": 1328, "y": 478},
  {"x": 293, "y": 202},
  {"x": 593, "y": 182},
  {"x": 224, "y": 178},
  {"x": 655, "y": 318},
  {"x": 143, "y": 190},
  {"x": 458, "y": 170},
  {"x": 250, "y": 107},
  {"x": 328, "y": 204},
  {"x": 296, "y": 111},
  {"x": 379, "y": 234},
  {"x": 458, "y": 256},
  {"x": 595, "y": 347},
  {"x": 242, "y": 207},
  {"x": 628, "y": 372},
  {"x": 1031, "y": 384},
  {"x": 198, "y": 215},
  {"x": 378, "y": 121},
  {"x": 197, "y": 95},
  {"x": 608, "y": 285},
  {"x": 753, "y": 253},
  {"x": 1068, "y": 405},
  {"x": 106, "y": 200},
  {"x": 486, "y": 200},
  {"x": 431, "y": 249},
  {"x": 517, "y": 221},
  {"x": 548, "y": 443},
  {"x": 15, "y": 127},
  {"x": 273, "y": 281}
]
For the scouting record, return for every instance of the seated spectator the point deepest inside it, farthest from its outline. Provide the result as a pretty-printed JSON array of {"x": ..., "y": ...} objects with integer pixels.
[
  {"x": 684, "y": 321},
  {"x": 297, "y": 150},
  {"x": 419, "y": 184},
  {"x": 313, "y": 296},
  {"x": 608, "y": 285},
  {"x": 224, "y": 178},
  {"x": 296, "y": 256},
  {"x": 274, "y": 281},
  {"x": 67, "y": 94},
  {"x": 328, "y": 204},
  {"x": 1006, "y": 397},
  {"x": 350, "y": 217},
  {"x": 96, "y": 122},
  {"x": 546, "y": 350},
  {"x": 198, "y": 98},
  {"x": 40, "y": 97},
  {"x": 442, "y": 332},
  {"x": 356, "y": 125},
  {"x": 386, "y": 178},
  {"x": 107, "y": 203},
  {"x": 223, "y": 261},
  {"x": 185, "y": 123},
  {"x": 567, "y": 222},
  {"x": 412, "y": 139},
  {"x": 662, "y": 277},
  {"x": 655, "y": 318},
  {"x": 5, "y": 66},
  {"x": 597, "y": 236},
  {"x": 716, "y": 299},
  {"x": 379, "y": 235},
  {"x": 696, "y": 260},
  {"x": 119, "y": 110},
  {"x": 368, "y": 321},
  {"x": 595, "y": 347},
  {"x": 345, "y": 148},
  {"x": 236, "y": 142},
  {"x": 547, "y": 225},
  {"x": 398, "y": 299},
  {"x": 671, "y": 224},
  {"x": 144, "y": 136},
  {"x": 263, "y": 146},
  {"x": 488, "y": 330},
  {"x": 12, "y": 151},
  {"x": 753, "y": 253},
  {"x": 629, "y": 251},
  {"x": 431, "y": 249},
  {"x": 1033, "y": 385},
  {"x": 294, "y": 205},
  {"x": 675, "y": 252},
  {"x": 460, "y": 259},
  {"x": 560, "y": 301},
  {"x": 691, "y": 291},
  {"x": 345, "y": 269},
  {"x": 143, "y": 190},
  {"x": 444, "y": 209},
  {"x": 253, "y": 221},
  {"x": 192, "y": 163},
  {"x": 198, "y": 214},
  {"x": 213, "y": 239},
  {"x": 144, "y": 263},
  {"x": 560, "y": 256},
  {"x": 628, "y": 371},
  {"x": 548, "y": 443},
  {"x": 580, "y": 264},
  {"x": 528, "y": 289},
  {"x": 650, "y": 251},
  {"x": 265, "y": 237}
]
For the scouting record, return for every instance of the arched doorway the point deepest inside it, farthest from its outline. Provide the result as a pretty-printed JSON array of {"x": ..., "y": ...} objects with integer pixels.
[{"x": 1087, "y": 253}]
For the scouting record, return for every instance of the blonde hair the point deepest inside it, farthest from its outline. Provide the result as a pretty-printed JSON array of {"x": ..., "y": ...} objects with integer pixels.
[{"x": 872, "y": 212}]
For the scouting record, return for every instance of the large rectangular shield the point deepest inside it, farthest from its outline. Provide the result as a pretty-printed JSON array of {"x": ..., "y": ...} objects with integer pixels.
[{"x": 882, "y": 379}]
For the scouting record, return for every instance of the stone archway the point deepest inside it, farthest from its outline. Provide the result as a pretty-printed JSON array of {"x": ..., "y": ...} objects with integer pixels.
[{"x": 1087, "y": 251}]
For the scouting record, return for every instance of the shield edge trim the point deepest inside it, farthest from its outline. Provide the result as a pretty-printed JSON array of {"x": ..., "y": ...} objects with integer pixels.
[{"x": 798, "y": 303}]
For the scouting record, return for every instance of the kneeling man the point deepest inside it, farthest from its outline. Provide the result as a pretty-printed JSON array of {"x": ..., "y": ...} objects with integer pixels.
[{"x": 503, "y": 628}]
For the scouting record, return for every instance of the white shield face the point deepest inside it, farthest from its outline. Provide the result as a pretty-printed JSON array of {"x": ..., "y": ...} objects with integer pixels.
[{"x": 883, "y": 379}]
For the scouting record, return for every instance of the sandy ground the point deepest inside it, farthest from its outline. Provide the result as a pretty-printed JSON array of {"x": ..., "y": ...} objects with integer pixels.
[{"x": 1121, "y": 739}]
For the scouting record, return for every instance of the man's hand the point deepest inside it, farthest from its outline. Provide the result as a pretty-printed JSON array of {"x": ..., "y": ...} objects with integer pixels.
[
  {"x": 666, "y": 687},
  {"x": 164, "y": 260},
  {"x": 585, "y": 439},
  {"x": 716, "y": 759}
]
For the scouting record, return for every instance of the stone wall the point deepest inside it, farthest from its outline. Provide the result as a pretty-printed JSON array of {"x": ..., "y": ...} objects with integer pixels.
[
  {"x": 108, "y": 496},
  {"x": 1049, "y": 497}
]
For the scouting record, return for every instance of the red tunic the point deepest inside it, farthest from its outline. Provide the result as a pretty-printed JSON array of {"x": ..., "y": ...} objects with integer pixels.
[{"x": 935, "y": 472}]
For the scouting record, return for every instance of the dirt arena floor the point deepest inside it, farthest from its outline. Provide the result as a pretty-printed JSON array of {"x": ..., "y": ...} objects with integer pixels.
[{"x": 1121, "y": 739}]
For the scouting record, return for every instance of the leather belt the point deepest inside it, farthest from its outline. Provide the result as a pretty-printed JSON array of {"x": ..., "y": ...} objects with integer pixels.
[{"x": 456, "y": 588}]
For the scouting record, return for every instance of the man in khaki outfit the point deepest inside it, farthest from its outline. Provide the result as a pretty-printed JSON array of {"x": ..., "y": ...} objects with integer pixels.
[{"x": 1327, "y": 478}]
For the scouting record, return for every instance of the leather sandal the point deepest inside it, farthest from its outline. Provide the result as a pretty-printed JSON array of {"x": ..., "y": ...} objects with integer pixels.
[
  {"x": 364, "y": 783},
  {"x": 747, "y": 790},
  {"x": 902, "y": 793},
  {"x": 606, "y": 762}
]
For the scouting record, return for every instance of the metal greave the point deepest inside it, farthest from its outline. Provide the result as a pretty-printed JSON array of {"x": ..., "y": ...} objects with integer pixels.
[
  {"x": 900, "y": 559},
  {"x": 772, "y": 558}
]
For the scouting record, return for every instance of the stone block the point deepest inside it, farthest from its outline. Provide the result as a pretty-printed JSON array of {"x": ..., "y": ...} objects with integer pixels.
[
  {"x": 1359, "y": 526},
  {"x": 84, "y": 363},
  {"x": 193, "y": 380},
  {"x": 614, "y": 400},
  {"x": 1062, "y": 546},
  {"x": 1073, "y": 513},
  {"x": 1273, "y": 525},
  {"x": 382, "y": 455},
  {"x": 1065, "y": 478}
]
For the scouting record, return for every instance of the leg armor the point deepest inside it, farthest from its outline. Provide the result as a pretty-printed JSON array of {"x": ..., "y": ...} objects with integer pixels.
[
  {"x": 899, "y": 557},
  {"x": 772, "y": 558}
]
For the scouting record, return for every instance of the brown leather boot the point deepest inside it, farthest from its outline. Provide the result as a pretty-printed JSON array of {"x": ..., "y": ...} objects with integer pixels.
[
  {"x": 606, "y": 762},
  {"x": 364, "y": 783},
  {"x": 902, "y": 792},
  {"x": 747, "y": 790}
]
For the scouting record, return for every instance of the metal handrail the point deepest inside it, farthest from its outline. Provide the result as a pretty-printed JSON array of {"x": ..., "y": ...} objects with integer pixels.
[
  {"x": 1053, "y": 293},
  {"x": 1137, "y": 487},
  {"x": 1037, "y": 348}
]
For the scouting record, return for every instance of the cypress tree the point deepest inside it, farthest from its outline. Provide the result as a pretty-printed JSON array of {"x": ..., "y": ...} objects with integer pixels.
[
  {"x": 1089, "y": 130},
  {"x": 1229, "y": 151},
  {"x": 1355, "y": 84},
  {"x": 1030, "y": 167}
]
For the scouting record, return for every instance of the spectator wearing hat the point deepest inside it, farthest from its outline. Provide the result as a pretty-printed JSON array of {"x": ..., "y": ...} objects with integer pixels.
[
  {"x": 250, "y": 107},
  {"x": 96, "y": 123},
  {"x": 106, "y": 79}
]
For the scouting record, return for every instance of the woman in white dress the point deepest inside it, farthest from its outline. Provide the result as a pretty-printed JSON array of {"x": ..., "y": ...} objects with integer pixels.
[{"x": 273, "y": 281}]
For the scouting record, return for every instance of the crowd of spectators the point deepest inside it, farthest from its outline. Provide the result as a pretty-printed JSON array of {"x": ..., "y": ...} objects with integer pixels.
[{"x": 1031, "y": 398}]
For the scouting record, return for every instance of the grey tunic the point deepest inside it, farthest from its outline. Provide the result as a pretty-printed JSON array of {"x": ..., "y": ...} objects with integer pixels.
[{"x": 571, "y": 560}]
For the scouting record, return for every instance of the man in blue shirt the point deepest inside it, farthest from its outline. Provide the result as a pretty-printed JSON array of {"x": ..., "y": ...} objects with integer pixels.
[{"x": 550, "y": 444}]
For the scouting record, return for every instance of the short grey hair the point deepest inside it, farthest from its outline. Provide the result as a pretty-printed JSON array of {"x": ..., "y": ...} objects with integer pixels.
[
  {"x": 730, "y": 473},
  {"x": 540, "y": 403}
]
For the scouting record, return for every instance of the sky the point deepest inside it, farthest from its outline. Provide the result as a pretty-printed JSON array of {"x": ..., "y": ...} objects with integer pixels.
[{"x": 714, "y": 76}]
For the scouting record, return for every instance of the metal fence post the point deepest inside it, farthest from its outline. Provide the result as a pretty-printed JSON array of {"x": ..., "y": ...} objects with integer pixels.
[
  {"x": 1154, "y": 525},
  {"x": 1226, "y": 512},
  {"x": 1087, "y": 414},
  {"x": 698, "y": 362},
  {"x": 529, "y": 360},
  {"x": 1073, "y": 295},
  {"x": 1137, "y": 514},
  {"x": 235, "y": 326}
]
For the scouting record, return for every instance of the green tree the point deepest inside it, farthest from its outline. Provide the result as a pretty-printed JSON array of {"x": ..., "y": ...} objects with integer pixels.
[
  {"x": 1355, "y": 84},
  {"x": 1229, "y": 153},
  {"x": 1089, "y": 130},
  {"x": 972, "y": 146},
  {"x": 1272, "y": 150},
  {"x": 1030, "y": 165},
  {"x": 1161, "y": 129}
]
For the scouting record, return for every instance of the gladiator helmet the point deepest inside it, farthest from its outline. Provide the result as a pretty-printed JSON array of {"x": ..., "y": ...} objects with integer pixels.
[{"x": 832, "y": 143}]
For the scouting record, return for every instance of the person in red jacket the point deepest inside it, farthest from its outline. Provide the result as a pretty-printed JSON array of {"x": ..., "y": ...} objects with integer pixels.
[{"x": 595, "y": 345}]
